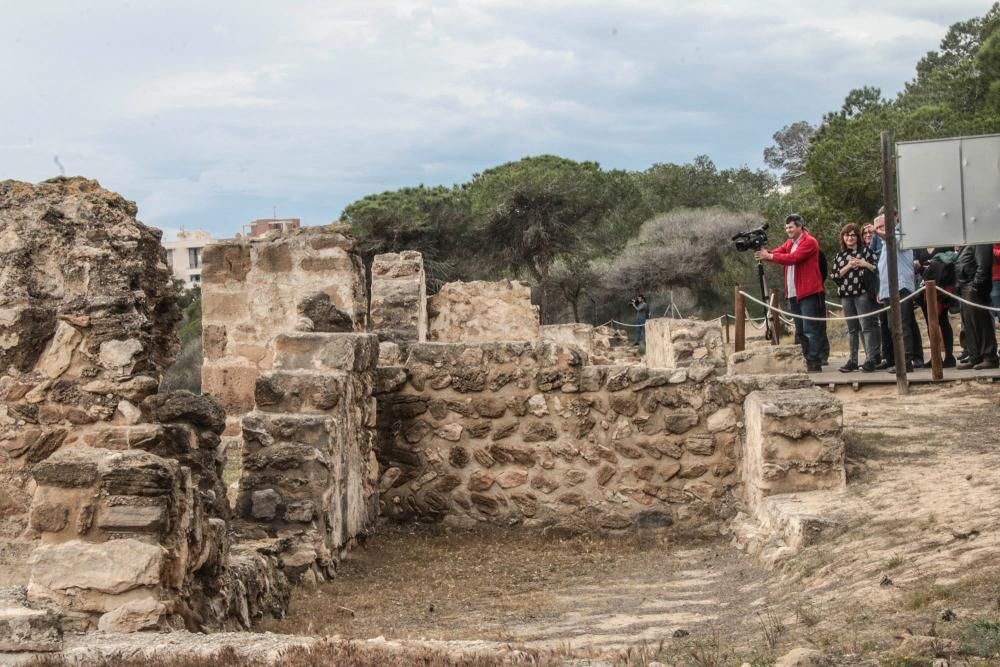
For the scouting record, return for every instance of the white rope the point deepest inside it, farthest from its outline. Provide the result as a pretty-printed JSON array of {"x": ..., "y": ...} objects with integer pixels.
[
  {"x": 965, "y": 301},
  {"x": 834, "y": 304},
  {"x": 830, "y": 319}
]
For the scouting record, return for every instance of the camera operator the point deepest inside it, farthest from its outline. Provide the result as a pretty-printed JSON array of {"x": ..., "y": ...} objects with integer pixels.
[
  {"x": 641, "y": 314},
  {"x": 799, "y": 255}
]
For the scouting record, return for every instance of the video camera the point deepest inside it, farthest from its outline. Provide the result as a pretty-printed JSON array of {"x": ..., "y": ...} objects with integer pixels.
[{"x": 753, "y": 239}]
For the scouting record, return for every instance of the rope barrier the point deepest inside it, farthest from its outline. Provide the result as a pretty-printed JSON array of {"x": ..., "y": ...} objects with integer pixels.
[
  {"x": 831, "y": 319},
  {"x": 965, "y": 301}
]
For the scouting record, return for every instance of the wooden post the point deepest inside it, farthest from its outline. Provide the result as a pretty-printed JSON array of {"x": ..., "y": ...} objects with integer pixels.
[
  {"x": 895, "y": 314},
  {"x": 772, "y": 300},
  {"x": 725, "y": 324},
  {"x": 934, "y": 329},
  {"x": 741, "y": 321}
]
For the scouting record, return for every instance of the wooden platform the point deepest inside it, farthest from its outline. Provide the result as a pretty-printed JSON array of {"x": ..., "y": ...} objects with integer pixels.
[{"x": 831, "y": 376}]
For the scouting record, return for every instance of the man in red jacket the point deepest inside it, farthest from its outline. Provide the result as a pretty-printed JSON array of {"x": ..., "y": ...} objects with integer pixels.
[{"x": 803, "y": 285}]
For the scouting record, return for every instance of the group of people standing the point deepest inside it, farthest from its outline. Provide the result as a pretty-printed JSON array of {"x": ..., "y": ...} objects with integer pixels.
[{"x": 861, "y": 273}]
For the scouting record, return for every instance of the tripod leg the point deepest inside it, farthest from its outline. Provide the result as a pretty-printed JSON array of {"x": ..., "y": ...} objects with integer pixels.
[{"x": 763, "y": 297}]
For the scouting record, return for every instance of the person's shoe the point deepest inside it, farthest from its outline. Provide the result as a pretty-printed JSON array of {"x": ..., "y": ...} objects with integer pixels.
[
  {"x": 969, "y": 364},
  {"x": 964, "y": 357},
  {"x": 919, "y": 363},
  {"x": 892, "y": 369},
  {"x": 949, "y": 362},
  {"x": 848, "y": 367},
  {"x": 986, "y": 364},
  {"x": 814, "y": 367},
  {"x": 884, "y": 364},
  {"x": 868, "y": 367}
]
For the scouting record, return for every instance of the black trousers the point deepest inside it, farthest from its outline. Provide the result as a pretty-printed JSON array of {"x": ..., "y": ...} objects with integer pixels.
[{"x": 980, "y": 336}]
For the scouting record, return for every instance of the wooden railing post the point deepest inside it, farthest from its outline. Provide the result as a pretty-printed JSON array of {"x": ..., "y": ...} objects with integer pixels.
[
  {"x": 725, "y": 325},
  {"x": 934, "y": 329},
  {"x": 772, "y": 300},
  {"x": 741, "y": 321}
]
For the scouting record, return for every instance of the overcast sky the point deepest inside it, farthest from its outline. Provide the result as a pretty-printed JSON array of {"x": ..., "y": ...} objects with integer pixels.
[{"x": 210, "y": 114}]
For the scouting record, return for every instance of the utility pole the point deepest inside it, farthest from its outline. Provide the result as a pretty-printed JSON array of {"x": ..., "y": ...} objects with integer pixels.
[{"x": 895, "y": 314}]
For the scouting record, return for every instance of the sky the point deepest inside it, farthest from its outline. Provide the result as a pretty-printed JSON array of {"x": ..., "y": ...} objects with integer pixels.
[{"x": 211, "y": 114}]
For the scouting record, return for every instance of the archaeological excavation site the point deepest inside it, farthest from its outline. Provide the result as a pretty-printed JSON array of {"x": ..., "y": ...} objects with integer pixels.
[{"x": 359, "y": 441}]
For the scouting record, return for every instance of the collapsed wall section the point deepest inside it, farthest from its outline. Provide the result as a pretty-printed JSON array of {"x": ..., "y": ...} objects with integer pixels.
[
  {"x": 525, "y": 433},
  {"x": 482, "y": 312},
  {"x": 86, "y": 323},
  {"x": 673, "y": 343},
  {"x": 254, "y": 289}
]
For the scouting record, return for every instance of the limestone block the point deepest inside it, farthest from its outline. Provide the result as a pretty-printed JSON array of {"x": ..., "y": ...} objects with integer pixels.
[
  {"x": 110, "y": 567},
  {"x": 767, "y": 359},
  {"x": 134, "y": 616},
  {"x": 326, "y": 351},
  {"x": 399, "y": 297},
  {"x": 674, "y": 343},
  {"x": 482, "y": 311},
  {"x": 58, "y": 355},
  {"x": 306, "y": 392},
  {"x": 118, "y": 355},
  {"x": 232, "y": 385},
  {"x": 389, "y": 354},
  {"x": 793, "y": 443}
]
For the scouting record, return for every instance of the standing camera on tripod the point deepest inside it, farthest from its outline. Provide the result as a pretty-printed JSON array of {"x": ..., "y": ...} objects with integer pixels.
[{"x": 753, "y": 239}]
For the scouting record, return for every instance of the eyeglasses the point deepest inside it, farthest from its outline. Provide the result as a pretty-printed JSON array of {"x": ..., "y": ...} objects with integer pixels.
[{"x": 849, "y": 234}]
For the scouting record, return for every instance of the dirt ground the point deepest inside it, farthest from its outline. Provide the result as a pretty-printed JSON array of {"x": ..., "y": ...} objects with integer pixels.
[{"x": 919, "y": 543}]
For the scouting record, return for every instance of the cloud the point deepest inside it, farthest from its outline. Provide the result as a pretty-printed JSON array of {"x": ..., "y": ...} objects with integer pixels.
[{"x": 209, "y": 112}]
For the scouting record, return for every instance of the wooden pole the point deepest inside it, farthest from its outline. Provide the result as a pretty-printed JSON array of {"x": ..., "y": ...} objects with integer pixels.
[
  {"x": 725, "y": 319},
  {"x": 934, "y": 329},
  {"x": 741, "y": 321},
  {"x": 772, "y": 300},
  {"x": 895, "y": 314}
]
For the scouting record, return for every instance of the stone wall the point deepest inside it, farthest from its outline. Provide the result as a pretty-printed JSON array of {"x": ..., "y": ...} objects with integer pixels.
[
  {"x": 254, "y": 289},
  {"x": 86, "y": 323},
  {"x": 525, "y": 433},
  {"x": 399, "y": 297},
  {"x": 309, "y": 472},
  {"x": 672, "y": 343},
  {"x": 482, "y": 312}
]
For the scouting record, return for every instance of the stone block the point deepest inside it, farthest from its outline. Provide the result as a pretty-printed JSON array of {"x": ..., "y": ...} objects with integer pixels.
[
  {"x": 326, "y": 351},
  {"x": 225, "y": 305},
  {"x": 767, "y": 359},
  {"x": 134, "y": 616},
  {"x": 793, "y": 443},
  {"x": 580, "y": 335},
  {"x": 110, "y": 568},
  {"x": 23, "y": 629},
  {"x": 305, "y": 392},
  {"x": 231, "y": 385},
  {"x": 225, "y": 262}
]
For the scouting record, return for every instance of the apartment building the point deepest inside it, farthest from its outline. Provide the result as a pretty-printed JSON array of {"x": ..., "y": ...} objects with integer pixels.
[{"x": 184, "y": 255}]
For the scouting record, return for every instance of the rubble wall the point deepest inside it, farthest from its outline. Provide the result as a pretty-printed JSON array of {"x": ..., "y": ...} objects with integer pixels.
[
  {"x": 526, "y": 433},
  {"x": 482, "y": 312},
  {"x": 87, "y": 314},
  {"x": 581, "y": 335},
  {"x": 310, "y": 279}
]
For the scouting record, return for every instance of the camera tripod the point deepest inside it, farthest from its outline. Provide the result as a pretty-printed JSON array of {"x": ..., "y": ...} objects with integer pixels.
[{"x": 763, "y": 297}]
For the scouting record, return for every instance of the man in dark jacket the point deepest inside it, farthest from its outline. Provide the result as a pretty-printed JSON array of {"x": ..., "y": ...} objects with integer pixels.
[
  {"x": 974, "y": 278},
  {"x": 803, "y": 286}
]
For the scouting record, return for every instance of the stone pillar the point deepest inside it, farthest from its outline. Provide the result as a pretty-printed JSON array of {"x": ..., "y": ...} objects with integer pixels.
[
  {"x": 399, "y": 298},
  {"x": 674, "y": 343},
  {"x": 309, "y": 468},
  {"x": 254, "y": 289},
  {"x": 793, "y": 443}
]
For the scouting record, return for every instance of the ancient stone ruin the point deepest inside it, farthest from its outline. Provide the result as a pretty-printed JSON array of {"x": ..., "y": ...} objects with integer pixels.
[{"x": 339, "y": 410}]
